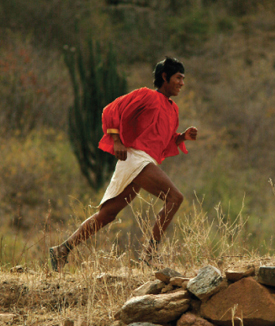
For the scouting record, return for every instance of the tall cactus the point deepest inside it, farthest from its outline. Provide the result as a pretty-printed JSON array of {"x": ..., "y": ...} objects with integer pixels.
[{"x": 96, "y": 83}]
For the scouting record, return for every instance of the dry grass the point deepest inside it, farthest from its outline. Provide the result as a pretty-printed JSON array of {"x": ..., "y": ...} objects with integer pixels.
[{"x": 100, "y": 276}]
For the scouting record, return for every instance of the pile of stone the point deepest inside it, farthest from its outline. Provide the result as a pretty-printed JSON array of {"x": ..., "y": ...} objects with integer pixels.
[{"x": 244, "y": 297}]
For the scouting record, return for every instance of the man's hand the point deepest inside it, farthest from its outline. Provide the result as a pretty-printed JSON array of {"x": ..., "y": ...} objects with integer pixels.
[
  {"x": 190, "y": 133},
  {"x": 119, "y": 149}
]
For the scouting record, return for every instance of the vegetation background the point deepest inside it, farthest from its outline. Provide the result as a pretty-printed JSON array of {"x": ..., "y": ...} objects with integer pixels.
[{"x": 228, "y": 50}]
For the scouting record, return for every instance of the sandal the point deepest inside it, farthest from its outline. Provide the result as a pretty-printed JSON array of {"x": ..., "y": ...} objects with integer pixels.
[{"x": 57, "y": 262}]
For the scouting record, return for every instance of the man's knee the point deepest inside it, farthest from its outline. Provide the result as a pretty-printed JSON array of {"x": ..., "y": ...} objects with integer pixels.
[
  {"x": 176, "y": 197},
  {"x": 108, "y": 215}
]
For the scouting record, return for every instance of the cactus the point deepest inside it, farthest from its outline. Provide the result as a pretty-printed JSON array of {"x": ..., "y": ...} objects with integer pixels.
[{"x": 96, "y": 83}]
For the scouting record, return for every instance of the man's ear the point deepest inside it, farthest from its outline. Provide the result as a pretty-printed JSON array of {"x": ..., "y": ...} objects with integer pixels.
[{"x": 164, "y": 76}]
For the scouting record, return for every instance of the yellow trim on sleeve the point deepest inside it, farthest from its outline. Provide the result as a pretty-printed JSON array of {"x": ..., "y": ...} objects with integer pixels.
[{"x": 112, "y": 131}]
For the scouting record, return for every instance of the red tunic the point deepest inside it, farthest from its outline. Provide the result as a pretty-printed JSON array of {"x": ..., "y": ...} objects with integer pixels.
[{"x": 146, "y": 120}]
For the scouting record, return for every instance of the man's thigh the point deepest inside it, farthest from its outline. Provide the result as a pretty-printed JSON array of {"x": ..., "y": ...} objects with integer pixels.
[
  {"x": 155, "y": 181},
  {"x": 115, "y": 205}
]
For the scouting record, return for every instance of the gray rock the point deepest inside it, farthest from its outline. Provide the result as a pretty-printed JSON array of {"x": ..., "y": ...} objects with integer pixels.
[
  {"x": 267, "y": 275},
  {"x": 159, "y": 308},
  {"x": 205, "y": 283}
]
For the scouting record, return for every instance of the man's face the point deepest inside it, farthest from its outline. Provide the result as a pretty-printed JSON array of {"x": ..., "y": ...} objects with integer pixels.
[{"x": 173, "y": 87}]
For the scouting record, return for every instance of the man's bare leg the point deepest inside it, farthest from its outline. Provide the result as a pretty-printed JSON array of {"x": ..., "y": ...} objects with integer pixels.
[
  {"x": 104, "y": 216},
  {"x": 156, "y": 182}
]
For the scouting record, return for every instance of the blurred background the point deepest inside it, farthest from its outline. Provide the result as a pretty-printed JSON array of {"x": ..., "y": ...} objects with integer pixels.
[{"x": 56, "y": 55}]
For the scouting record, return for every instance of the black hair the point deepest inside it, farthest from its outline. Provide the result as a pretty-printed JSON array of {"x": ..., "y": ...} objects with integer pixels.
[{"x": 170, "y": 66}]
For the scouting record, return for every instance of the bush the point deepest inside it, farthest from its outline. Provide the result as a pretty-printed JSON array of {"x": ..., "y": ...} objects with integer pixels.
[
  {"x": 38, "y": 174},
  {"x": 33, "y": 87}
]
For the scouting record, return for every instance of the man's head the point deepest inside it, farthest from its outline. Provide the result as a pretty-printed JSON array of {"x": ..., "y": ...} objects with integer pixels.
[{"x": 169, "y": 66}]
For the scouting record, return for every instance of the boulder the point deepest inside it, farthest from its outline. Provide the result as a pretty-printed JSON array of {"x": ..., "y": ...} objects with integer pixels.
[
  {"x": 159, "y": 308},
  {"x": 189, "y": 319},
  {"x": 205, "y": 283},
  {"x": 246, "y": 299}
]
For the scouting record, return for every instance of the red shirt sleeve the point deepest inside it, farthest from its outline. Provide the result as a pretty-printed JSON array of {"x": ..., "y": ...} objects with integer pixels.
[
  {"x": 172, "y": 149},
  {"x": 111, "y": 117}
]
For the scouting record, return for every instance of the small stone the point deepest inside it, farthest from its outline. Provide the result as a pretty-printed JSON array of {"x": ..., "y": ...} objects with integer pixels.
[
  {"x": 17, "y": 269},
  {"x": 234, "y": 276},
  {"x": 151, "y": 287},
  {"x": 166, "y": 274},
  {"x": 189, "y": 319},
  {"x": 167, "y": 288},
  {"x": 178, "y": 281},
  {"x": 267, "y": 275}
]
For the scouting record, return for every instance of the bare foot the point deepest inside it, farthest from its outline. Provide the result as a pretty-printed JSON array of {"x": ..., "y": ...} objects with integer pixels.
[{"x": 58, "y": 256}]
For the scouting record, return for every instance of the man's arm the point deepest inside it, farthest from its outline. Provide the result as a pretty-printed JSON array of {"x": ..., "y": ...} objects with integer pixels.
[
  {"x": 119, "y": 149},
  {"x": 189, "y": 134}
]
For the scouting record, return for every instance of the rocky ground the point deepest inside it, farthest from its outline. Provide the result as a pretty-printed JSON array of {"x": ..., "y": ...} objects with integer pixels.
[{"x": 90, "y": 297}]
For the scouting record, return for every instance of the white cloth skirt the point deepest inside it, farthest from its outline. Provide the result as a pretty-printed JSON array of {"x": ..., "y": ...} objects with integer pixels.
[{"x": 126, "y": 171}]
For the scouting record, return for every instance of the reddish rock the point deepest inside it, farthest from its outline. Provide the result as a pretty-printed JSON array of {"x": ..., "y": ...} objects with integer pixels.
[
  {"x": 192, "y": 320},
  {"x": 246, "y": 299}
]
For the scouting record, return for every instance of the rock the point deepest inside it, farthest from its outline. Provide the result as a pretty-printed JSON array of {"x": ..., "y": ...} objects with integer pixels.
[
  {"x": 159, "y": 308},
  {"x": 189, "y": 319},
  {"x": 205, "y": 283},
  {"x": 184, "y": 285},
  {"x": 234, "y": 276},
  {"x": 17, "y": 269},
  {"x": 246, "y": 299},
  {"x": 166, "y": 274},
  {"x": 167, "y": 288},
  {"x": 151, "y": 287},
  {"x": 178, "y": 281},
  {"x": 267, "y": 275}
]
